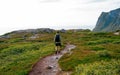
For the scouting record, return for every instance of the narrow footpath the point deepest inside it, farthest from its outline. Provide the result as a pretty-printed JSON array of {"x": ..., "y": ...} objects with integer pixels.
[{"x": 49, "y": 65}]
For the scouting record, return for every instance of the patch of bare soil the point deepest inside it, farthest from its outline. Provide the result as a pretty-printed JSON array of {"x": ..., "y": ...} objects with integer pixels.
[{"x": 49, "y": 65}]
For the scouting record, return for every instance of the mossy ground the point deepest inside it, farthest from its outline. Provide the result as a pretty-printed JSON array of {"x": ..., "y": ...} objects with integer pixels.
[
  {"x": 91, "y": 48},
  {"x": 18, "y": 54}
]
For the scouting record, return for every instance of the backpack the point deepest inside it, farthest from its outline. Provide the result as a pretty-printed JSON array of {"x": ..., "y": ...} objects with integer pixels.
[{"x": 57, "y": 38}]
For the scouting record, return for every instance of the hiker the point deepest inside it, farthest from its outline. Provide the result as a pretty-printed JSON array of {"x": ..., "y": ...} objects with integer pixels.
[{"x": 57, "y": 41}]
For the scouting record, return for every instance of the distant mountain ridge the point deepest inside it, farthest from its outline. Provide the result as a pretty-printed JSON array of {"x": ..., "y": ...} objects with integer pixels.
[
  {"x": 108, "y": 21},
  {"x": 34, "y": 32},
  {"x": 47, "y": 30},
  {"x": 27, "y": 32}
]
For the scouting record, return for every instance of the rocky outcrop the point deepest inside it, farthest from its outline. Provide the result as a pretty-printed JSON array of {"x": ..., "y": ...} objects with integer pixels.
[
  {"x": 108, "y": 21},
  {"x": 40, "y": 30},
  {"x": 27, "y": 33},
  {"x": 62, "y": 30}
]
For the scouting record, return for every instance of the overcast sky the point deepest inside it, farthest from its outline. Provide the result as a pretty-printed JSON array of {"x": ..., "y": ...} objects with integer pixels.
[{"x": 56, "y": 14}]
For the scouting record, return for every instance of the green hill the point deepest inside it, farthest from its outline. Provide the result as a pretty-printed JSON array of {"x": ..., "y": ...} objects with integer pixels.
[{"x": 18, "y": 54}]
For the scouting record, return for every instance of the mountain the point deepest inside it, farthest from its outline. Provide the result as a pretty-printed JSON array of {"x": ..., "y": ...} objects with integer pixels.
[
  {"x": 32, "y": 33},
  {"x": 108, "y": 21},
  {"x": 27, "y": 32}
]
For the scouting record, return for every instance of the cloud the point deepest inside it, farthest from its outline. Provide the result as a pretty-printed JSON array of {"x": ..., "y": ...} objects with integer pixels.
[
  {"x": 103, "y": 1},
  {"x": 94, "y": 1},
  {"x": 23, "y": 14},
  {"x": 97, "y": 5},
  {"x": 47, "y": 1}
]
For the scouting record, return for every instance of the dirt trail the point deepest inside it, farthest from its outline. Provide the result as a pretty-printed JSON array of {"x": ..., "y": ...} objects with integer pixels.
[{"x": 49, "y": 65}]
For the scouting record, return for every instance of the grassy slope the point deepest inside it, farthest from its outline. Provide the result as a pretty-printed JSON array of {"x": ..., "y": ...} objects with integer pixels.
[
  {"x": 91, "y": 48},
  {"x": 17, "y": 55}
]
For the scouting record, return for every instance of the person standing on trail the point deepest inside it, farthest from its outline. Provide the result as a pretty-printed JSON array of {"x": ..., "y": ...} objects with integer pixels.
[{"x": 57, "y": 40}]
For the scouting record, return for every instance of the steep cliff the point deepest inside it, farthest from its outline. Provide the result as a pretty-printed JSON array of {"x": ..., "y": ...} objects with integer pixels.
[{"x": 108, "y": 21}]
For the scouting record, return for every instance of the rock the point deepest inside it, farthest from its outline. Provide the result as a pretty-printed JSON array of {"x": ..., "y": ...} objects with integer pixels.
[
  {"x": 116, "y": 33},
  {"x": 27, "y": 32},
  {"x": 63, "y": 30},
  {"x": 108, "y": 21},
  {"x": 5, "y": 36},
  {"x": 35, "y": 31},
  {"x": 34, "y": 36},
  {"x": 50, "y": 67},
  {"x": 57, "y": 58}
]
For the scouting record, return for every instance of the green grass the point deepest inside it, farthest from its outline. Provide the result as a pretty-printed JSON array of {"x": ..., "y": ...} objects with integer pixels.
[
  {"x": 91, "y": 48},
  {"x": 18, "y": 55},
  {"x": 18, "y": 59},
  {"x": 99, "y": 68}
]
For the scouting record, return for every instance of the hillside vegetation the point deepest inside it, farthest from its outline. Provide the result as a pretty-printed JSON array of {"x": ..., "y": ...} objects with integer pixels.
[
  {"x": 18, "y": 55},
  {"x": 95, "y": 53}
]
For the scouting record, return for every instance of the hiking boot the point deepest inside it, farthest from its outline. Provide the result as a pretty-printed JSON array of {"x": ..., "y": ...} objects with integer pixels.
[
  {"x": 56, "y": 52},
  {"x": 59, "y": 52}
]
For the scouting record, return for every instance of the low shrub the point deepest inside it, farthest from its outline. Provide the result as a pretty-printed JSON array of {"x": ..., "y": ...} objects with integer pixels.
[
  {"x": 97, "y": 48},
  {"x": 103, "y": 53},
  {"x": 99, "y": 68}
]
